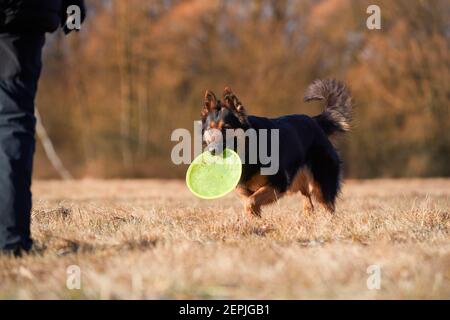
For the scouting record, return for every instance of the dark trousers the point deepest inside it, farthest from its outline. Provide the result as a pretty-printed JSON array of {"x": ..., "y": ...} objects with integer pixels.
[{"x": 20, "y": 67}]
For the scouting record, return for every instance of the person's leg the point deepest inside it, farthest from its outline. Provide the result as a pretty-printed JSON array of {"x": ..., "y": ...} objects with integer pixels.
[{"x": 20, "y": 56}]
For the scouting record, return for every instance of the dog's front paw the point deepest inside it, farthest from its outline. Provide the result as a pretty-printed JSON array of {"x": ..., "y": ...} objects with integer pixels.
[{"x": 252, "y": 209}]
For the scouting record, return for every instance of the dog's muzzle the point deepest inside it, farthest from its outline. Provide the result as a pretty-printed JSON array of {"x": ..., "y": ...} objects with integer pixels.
[{"x": 214, "y": 140}]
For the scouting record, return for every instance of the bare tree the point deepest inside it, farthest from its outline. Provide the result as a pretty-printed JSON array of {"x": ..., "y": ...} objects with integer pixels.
[{"x": 50, "y": 150}]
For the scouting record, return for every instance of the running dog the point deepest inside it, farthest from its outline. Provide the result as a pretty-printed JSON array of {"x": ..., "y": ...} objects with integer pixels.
[{"x": 308, "y": 161}]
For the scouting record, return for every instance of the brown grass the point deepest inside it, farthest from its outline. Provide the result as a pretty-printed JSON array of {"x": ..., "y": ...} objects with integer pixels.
[{"x": 152, "y": 239}]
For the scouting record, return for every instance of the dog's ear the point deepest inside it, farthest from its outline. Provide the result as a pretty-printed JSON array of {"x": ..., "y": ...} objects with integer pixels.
[
  {"x": 210, "y": 100},
  {"x": 210, "y": 103},
  {"x": 229, "y": 98},
  {"x": 232, "y": 102}
]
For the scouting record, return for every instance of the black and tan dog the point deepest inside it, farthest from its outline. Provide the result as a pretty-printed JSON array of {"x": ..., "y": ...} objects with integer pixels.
[{"x": 308, "y": 161}]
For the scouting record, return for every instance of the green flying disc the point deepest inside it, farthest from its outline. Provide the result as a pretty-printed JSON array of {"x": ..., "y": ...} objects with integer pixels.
[{"x": 213, "y": 176}]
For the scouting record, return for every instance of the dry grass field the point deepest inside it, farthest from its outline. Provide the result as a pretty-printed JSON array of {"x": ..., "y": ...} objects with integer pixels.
[{"x": 152, "y": 239}]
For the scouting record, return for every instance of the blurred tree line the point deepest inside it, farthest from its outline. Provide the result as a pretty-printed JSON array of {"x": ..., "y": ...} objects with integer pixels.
[{"x": 111, "y": 95}]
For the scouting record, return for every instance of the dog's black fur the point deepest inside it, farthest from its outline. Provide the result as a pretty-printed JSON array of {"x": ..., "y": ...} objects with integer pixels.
[{"x": 304, "y": 145}]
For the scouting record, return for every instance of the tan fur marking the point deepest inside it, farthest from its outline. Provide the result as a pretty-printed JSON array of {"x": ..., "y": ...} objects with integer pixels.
[
  {"x": 302, "y": 182},
  {"x": 256, "y": 182},
  {"x": 243, "y": 192}
]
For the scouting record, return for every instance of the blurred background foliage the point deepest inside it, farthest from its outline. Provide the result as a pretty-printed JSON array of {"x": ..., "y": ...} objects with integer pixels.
[{"x": 111, "y": 94}]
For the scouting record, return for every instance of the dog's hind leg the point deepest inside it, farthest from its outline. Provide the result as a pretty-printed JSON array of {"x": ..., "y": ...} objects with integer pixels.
[
  {"x": 305, "y": 190},
  {"x": 308, "y": 205},
  {"x": 262, "y": 196},
  {"x": 303, "y": 182},
  {"x": 326, "y": 172},
  {"x": 319, "y": 196}
]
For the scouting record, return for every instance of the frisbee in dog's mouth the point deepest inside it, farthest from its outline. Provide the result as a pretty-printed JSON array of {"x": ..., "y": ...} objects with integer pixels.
[{"x": 213, "y": 176}]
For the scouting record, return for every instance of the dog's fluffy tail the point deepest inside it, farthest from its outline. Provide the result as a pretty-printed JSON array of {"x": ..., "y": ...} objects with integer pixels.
[{"x": 337, "y": 114}]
